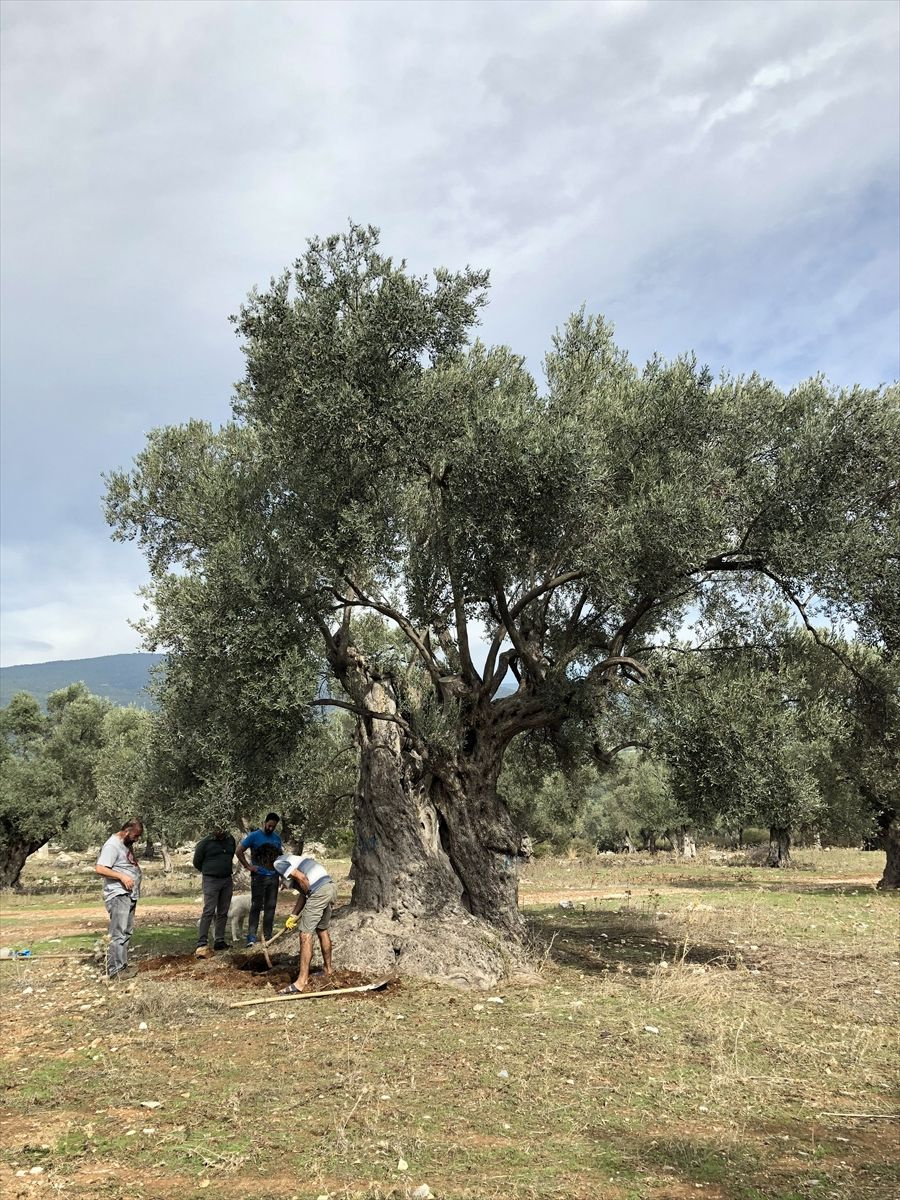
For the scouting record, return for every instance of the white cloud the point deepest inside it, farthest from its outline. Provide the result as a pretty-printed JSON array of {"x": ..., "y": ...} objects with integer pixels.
[
  {"x": 70, "y": 599},
  {"x": 723, "y": 177}
]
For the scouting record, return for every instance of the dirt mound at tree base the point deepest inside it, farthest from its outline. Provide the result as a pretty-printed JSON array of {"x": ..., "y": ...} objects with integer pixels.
[
  {"x": 232, "y": 972},
  {"x": 456, "y": 949}
]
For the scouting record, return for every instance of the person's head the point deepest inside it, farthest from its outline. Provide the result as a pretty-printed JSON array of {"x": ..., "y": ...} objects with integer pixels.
[
  {"x": 270, "y": 822},
  {"x": 131, "y": 831},
  {"x": 285, "y": 869},
  {"x": 219, "y": 832},
  {"x": 265, "y": 856}
]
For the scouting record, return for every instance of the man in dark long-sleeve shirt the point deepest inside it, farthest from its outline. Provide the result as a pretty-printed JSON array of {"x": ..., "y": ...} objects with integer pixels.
[{"x": 213, "y": 858}]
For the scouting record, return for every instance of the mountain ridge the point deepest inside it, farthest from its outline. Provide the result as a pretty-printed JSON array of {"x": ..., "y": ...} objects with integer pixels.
[{"x": 120, "y": 678}]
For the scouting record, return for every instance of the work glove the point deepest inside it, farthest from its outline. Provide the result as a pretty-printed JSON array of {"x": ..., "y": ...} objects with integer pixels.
[{"x": 292, "y": 922}]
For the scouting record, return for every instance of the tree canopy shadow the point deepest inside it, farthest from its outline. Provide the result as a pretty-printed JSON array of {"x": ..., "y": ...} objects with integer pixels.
[{"x": 632, "y": 941}]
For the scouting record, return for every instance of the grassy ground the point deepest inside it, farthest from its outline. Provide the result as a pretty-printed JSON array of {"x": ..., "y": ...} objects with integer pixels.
[{"x": 697, "y": 1030}]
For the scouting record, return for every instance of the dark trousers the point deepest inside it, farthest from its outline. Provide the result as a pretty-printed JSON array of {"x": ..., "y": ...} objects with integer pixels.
[
  {"x": 217, "y": 891},
  {"x": 263, "y": 898}
]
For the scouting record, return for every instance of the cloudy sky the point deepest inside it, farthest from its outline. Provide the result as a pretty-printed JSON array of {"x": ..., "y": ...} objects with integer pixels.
[{"x": 722, "y": 177}]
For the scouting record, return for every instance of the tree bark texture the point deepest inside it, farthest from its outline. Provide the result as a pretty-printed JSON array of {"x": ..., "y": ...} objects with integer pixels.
[
  {"x": 12, "y": 859},
  {"x": 779, "y": 847},
  {"x": 683, "y": 842},
  {"x": 890, "y": 832},
  {"x": 168, "y": 864},
  {"x": 435, "y": 856}
]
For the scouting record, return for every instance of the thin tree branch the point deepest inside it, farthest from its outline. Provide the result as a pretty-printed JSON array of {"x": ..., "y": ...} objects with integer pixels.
[
  {"x": 816, "y": 636},
  {"x": 364, "y": 712},
  {"x": 462, "y": 629},
  {"x": 618, "y": 660},
  {"x": 508, "y": 616},
  {"x": 606, "y": 756},
  {"x": 512, "y": 629},
  {"x": 629, "y": 624},
  {"x": 572, "y": 623},
  {"x": 539, "y": 589},
  {"x": 398, "y": 618}
]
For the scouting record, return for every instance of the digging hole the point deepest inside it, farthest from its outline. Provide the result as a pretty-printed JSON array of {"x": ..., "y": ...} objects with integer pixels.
[{"x": 257, "y": 964}]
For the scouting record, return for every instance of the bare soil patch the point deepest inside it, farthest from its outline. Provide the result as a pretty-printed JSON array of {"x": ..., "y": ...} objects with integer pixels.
[{"x": 238, "y": 972}]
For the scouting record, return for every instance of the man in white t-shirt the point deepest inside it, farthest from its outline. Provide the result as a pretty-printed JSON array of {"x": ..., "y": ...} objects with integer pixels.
[
  {"x": 312, "y": 912},
  {"x": 121, "y": 889}
]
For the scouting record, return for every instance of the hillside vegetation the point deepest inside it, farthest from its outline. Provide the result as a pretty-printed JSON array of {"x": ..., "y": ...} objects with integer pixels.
[{"x": 119, "y": 678}]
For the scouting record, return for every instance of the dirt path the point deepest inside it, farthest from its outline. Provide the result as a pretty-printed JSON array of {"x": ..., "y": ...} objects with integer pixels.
[
  {"x": 34, "y": 922},
  {"x": 88, "y": 918}
]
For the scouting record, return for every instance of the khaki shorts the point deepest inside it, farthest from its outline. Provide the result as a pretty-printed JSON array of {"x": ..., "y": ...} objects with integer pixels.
[{"x": 316, "y": 914}]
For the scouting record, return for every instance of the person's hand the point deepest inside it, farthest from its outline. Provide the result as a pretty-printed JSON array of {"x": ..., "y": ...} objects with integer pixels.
[
  {"x": 292, "y": 922},
  {"x": 127, "y": 882}
]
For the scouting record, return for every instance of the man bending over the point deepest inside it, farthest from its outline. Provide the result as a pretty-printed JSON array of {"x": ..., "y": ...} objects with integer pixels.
[{"x": 312, "y": 910}]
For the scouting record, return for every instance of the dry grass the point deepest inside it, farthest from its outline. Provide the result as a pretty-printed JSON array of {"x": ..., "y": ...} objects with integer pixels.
[{"x": 714, "y": 1037}]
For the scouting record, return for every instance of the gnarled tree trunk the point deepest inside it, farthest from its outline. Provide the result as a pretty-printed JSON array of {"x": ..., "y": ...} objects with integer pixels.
[
  {"x": 434, "y": 863},
  {"x": 779, "y": 847},
  {"x": 13, "y": 852},
  {"x": 683, "y": 842},
  {"x": 890, "y": 836}
]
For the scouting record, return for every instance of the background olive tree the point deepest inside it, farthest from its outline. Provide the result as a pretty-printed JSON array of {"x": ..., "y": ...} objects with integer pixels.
[{"x": 47, "y": 763}]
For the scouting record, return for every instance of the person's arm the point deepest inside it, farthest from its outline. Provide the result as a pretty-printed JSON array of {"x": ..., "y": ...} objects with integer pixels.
[
  {"x": 242, "y": 856},
  {"x": 108, "y": 873},
  {"x": 200, "y": 854},
  {"x": 300, "y": 903}
]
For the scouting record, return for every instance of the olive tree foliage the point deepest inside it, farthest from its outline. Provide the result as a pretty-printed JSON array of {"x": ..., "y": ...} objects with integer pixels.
[
  {"x": 381, "y": 461},
  {"x": 633, "y": 807},
  {"x": 46, "y": 770},
  {"x": 545, "y": 797},
  {"x": 740, "y": 750},
  {"x": 857, "y": 687},
  {"x": 233, "y": 738}
]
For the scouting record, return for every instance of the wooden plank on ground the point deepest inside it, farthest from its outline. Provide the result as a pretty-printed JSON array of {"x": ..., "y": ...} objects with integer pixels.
[{"x": 366, "y": 987}]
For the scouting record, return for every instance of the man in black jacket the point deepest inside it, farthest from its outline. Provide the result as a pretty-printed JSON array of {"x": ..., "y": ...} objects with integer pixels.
[{"x": 213, "y": 858}]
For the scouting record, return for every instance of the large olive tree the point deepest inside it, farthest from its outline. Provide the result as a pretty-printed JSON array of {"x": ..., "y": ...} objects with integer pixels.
[{"x": 381, "y": 463}]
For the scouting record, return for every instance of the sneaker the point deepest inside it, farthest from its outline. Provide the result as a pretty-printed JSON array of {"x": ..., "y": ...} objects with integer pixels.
[
  {"x": 222, "y": 946},
  {"x": 125, "y": 973},
  {"x": 251, "y": 941},
  {"x": 202, "y": 952}
]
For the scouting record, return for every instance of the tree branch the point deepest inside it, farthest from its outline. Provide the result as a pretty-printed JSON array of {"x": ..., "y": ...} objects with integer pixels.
[
  {"x": 606, "y": 756},
  {"x": 629, "y": 624},
  {"x": 539, "y": 589},
  {"x": 462, "y": 629},
  {"x": 398, "y": 618},
  {"x": 508, "y": 616},
  {"x": 618, "y": 660},
  {"x": 365, "y": 712},
  {"x": 506, "y": 662},
  {"x": 515, "y": 636},
  {"x": 816, "y": 636}
]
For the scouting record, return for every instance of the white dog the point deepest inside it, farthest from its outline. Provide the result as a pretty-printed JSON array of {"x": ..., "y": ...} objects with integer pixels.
[{"x": 238, "y": 916}]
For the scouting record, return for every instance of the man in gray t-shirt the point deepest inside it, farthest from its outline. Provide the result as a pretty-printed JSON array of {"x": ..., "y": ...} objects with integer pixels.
[{"x": 121, "y": 889}]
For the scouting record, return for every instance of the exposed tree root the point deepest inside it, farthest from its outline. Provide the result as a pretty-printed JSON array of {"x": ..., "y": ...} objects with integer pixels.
[{"x": 456, "y": 949}]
